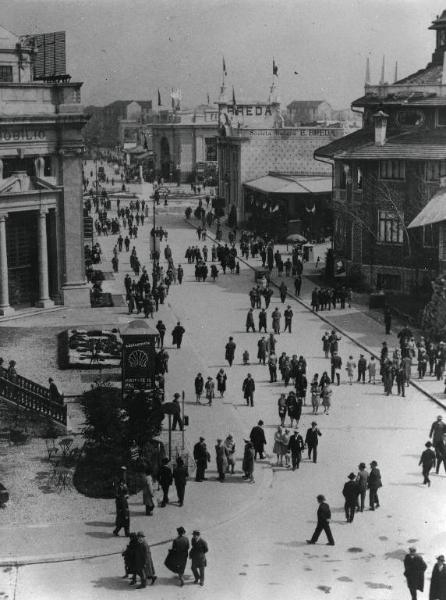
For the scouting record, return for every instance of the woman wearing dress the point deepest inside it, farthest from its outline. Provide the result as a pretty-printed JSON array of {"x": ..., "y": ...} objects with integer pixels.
[
  {"x": 326, "y": 397},
  {"x": 315, "y": 393},
  {"x": 277, "y": 448},
  {"x": 282, "y": 407},
  {"x": 221, "y": 382},
  {"x": 350, "y": 368},
  {"x": 148, "y": 493}
]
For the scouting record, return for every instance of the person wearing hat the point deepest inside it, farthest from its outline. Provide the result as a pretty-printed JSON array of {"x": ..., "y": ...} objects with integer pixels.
[
  {"x": 258, "y": 439},
  {"x": 374, "y": 484},
  {"x": 427, "y": 459},
  {"x": 176, "y": 412},
  {"x": 201, "y": 457},
  {"x": 438, "y": 428},
  {"x": 199, "y": 386},
  {"x": 209, "y": 386},
  {"x": 350, "y": 493},
  {"x": 165, "y": 479},
  {"x": 288, "y": 314},
  {"x": 295, "y": 446},
  {"x": 362, "y": 479},
  {"x": 122, "y": 510},
  {"x": 221, "y": 458},
  {"x": 437, "y": 589},
  {"x": 177, "y": 334},
  {"x": 248, "y": 389},
  {"x": 176, "y": 559},
  {"x": 312, "y": 440},
  {"x": 230, "y": 351},
  {"x": 414, "y": 567},
  {"x": 230, "y": 451},
  {"x": 180, "y": 477},
  {"x": 143, "y": 561},
  {"x": 248, "y": 461},
  {"x": 362, "y": 368},
  {"x": 198, "y": 556},
  {"x": 148, "y": 494},
  {"x": 441, "y": 454},
  {"x": 323, "y": 518}
]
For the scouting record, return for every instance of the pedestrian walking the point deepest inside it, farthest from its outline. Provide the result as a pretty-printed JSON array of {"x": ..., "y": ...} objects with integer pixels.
[
  {"x": 129, "y": 558},
  {"x": 336, "y": 366},
  {"x": 165, "y": 479},
  {"x": 221, "y": 459},
  {"x": 248, "y": 462},
  {"x": 143, "y": 561},
  {"x": 258, "y": 439},
  {"x": 437, "y": 431},
  {"x": 248, "y": 389},
  {"x": 326, "y": 393},
  {"x": 295, "y": 446},
  {"x": 180, "y": 477},
  {"x": 230, "y": 452},
  {"x": 427, "y": 460},
  {"x": 374, "y": 484},
  {"x": 148, "y": 493},
  {"x": 177, "y": 334},
  {"x": 362, "y": 479},
  {"x": 312, "y": 441},
  {"x": 371, "y": 367},
  {"x": 315, "y": 391},
  {"x": 250, "y": 321},
  {"x": 199, "y": 387},
  {"x": 323, "y": 522},
  {"x": 282, "y": 408},
  {"x": 221, "y": 382},
  {"x": 198, "y": 556},
  {"x": 209, "y": 387},
  {"x": 230, "y": 351},
  {"x": 201, "y": 457},
  {"x": 176, "y": 559},
  {"x": 350, "y": 492},
  {"x": 362, "y": 368},
  {"x": 350, "y": 367},
  {"x": 122, "y": 510},
  {"x": 414, "y": 568},
  {"x": 437, "y": 589},
  {"x": 440, "y": 452},
  {"x": 288, "y": 314}
]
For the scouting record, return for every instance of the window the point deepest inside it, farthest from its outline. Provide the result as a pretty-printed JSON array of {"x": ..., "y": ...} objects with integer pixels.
[
  {"x": 392, "y": 169},
  {"x": 5, "y": 73},
  {"x": 435, "y": 169},
  {"x": 428, "y": 236},
  {"x": 390, "y": 230},
  {"x": 211, "y": 149},
  {"x": 386, "y": 281},
  {"x": 441, "y": 117},
  {"x": 358, "y": 178}
]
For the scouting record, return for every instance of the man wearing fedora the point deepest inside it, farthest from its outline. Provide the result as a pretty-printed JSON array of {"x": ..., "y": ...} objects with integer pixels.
[
  {"x": 201, "y": 457},
  {"x": 414, "y": 567},
  {"x": 362, "y": 479},
  {"x": 143, "y": 561},
  {"x": 438, "y": 428},
  {"x": 323, "y": 518},
  {"x": 438, "y": 580},
  {"x": 427, "y": 459},
  {"x": 198, "y": 556},
  {"x": 374, "y": 484},
  {"x": 295, "y": 446},
  {"x": 350, "y": 493}
]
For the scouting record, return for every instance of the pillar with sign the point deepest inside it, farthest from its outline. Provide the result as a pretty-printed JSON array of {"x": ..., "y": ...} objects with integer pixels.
[{"x": 138, "y": 357}]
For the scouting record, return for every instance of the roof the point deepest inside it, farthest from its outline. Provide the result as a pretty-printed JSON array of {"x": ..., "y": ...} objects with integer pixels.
[
  {"x": 306, "y": 103},
  {"x": 433, "y": 212},
  {"x": 429, "y": 75},
  {"x": 418, "y": 144},
  {"x": 291, "y": 184}
]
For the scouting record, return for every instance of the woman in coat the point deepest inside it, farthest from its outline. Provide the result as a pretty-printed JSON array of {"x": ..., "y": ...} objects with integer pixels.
[
  {"x": 315, "y": 393},
  {"x": 129, "y": 558},
  {"x": 221, "y": 382},
  {"x": 180, "y": 476},
  {"x": 277, "y": 448},
  {"x": 293, "y": 408},
  {"x": 177, "y": 558},
  {"x": 282, "y": 407},
  {"x": 199, "y": 386},
  {"x": 248, "y": 461},
  {"x": 143, "y": 560},
  {"x": 326, "y": 397},
  {"x": 148, "y": 494},
  {"x": 438, "y": 580},
  {"x": 210, "y": 390}
]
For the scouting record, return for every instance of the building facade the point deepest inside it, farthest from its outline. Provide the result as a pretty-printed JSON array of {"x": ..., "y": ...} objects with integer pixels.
[
  {"x": 387, "y": 172},
  {"x": 41, "y": 240},
  {"x": 302, "y": 112}
]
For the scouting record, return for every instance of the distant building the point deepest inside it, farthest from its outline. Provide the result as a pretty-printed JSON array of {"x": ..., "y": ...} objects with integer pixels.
[
  {"x": 303, "y": 112},
  {"x": 253, "y": 142},
  {"x": 390, "y": 214},
  {"x": 41, "y": 208}
]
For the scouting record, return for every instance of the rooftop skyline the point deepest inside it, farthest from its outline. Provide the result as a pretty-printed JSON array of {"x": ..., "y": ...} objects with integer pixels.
[{"x": 129, "y": 49}]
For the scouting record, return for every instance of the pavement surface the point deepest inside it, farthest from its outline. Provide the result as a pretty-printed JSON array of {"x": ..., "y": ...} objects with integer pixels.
[{"x": 256, "y": 532}]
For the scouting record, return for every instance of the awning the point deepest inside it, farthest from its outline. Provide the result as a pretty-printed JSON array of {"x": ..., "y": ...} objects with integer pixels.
[
  {"x": 291, "y": 184},
  {"x": 433, "y": 212}
]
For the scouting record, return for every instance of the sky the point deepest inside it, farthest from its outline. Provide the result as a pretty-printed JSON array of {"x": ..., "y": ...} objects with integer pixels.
[{"x": 128, "y": 49}]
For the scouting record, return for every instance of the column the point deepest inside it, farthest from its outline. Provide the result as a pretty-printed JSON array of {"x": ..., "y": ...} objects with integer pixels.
[
  {"x": 44, "y": 297},
  {"x": 5, "y": 309}
]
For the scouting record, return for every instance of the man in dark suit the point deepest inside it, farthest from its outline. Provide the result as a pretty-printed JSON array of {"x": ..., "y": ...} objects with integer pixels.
[
  {"x": 177, "y": 557},
  {"x": 198, "y": 556},
  {"x": 177, "y": 334},
  {"x": 350, "y": 493},
  {"x": 230, "y": 351},
  {"x": 248, "y": 389},
  {"x": 257, "y": 437},
  {"x": 414, "y": 567},
  {"x": 295, "y": 446},
  {"x": 323, "y": 517},
  {"x": 201, "y": 457},
  {"x": 312, "y": 440},
  {"x": 374, "y": 484}
]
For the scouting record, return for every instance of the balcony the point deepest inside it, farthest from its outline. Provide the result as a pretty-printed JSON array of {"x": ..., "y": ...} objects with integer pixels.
[{"x": 39, "y": 99}]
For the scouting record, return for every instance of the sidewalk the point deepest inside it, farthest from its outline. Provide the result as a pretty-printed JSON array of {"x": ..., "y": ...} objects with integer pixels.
[{"x": 359, "y": 323}]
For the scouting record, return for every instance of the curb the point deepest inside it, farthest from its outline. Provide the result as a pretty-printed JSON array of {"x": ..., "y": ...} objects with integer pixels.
[
  {"x": 417, "y": 386},
  {"x": 25, "y": 314}
]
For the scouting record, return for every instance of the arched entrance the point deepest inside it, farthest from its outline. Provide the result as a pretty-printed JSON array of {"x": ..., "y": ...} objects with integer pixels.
[{"x": 165, "y": 158}]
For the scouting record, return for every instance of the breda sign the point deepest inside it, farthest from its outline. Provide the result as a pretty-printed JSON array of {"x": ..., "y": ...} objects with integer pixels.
[{"x": 23, "y": 134}]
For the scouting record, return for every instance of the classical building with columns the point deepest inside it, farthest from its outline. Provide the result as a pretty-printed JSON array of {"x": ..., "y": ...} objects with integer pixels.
[{"x": 41, "y": 237}]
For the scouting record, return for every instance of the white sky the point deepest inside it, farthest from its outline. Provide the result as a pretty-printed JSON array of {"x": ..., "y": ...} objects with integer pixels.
[{"x": 127, "y": 49}]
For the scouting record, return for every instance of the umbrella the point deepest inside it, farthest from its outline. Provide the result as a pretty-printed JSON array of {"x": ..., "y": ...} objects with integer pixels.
[{"x": 296, "y": 237}]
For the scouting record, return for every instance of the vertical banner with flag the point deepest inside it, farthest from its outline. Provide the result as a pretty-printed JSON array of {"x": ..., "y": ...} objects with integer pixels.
[
  {"x": 159, "y": 98},
  {"x": 224, "y": 68},
  {"x": 234, "y": 103}
]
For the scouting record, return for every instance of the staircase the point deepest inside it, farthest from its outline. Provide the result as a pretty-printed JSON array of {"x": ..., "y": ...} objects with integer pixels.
[{"x": 31, "y": 396}]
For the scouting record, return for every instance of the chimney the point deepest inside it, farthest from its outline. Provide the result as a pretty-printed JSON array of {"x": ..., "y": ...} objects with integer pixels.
[
  {"x": 380, "y": 121},
  {"x": 383, "y": 72}
]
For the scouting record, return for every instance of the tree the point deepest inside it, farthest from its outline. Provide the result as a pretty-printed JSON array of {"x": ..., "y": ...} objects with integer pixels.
[{"x": 434, "y": 314}]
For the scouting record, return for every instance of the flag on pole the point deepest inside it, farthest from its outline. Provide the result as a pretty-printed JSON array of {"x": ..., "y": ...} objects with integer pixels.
[
  {"x": 224, "y": 67},
  {"x": 159, "y": 98},
  {"x": 209, "y": 99},
  {"x": 234, "y": 103},
  {"x": 172, "y": 98},
  {"x": 275, "y": 68}
]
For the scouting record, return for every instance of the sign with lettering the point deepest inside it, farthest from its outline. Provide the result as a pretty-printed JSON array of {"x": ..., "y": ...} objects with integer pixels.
[
  {"x": 250, "y": 110},
  {"x": 295, "y": 132},
  {"x": 24, "y": 134}
]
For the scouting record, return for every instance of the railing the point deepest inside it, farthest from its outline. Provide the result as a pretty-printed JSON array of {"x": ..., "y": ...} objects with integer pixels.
[{"x": 31, "y": 396}]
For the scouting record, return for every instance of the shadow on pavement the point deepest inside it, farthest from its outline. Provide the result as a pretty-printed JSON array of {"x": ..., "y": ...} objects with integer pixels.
[{"x": 100, "y": 523}]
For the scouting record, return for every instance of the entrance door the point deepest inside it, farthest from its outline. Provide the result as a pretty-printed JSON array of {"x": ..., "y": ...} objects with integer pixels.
[
  {"x": 22, "y": 252},
  {"x": 165, "y": 159}
]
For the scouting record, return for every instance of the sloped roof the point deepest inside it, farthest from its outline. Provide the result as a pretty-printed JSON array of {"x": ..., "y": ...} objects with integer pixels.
[
  {"x": 306, "y": 103},
  {"x": 343, "y": 144},
  {"x": 291, "y": 184},
  {"x": 433, "y": 212},
  {"x": 427, "y": 76}
]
